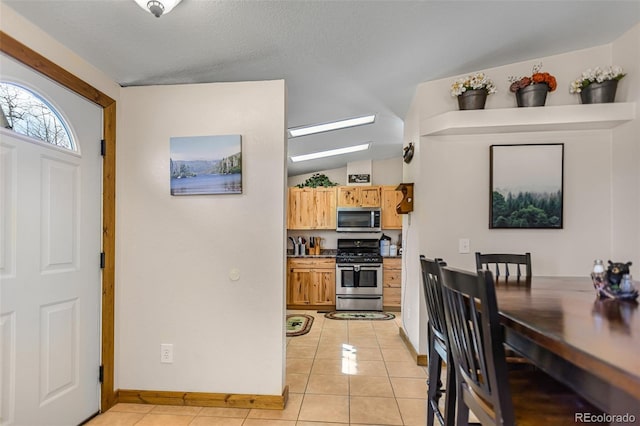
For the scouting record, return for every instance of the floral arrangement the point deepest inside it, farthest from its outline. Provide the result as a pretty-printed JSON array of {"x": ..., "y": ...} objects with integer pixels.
[
  {"x": 476, "y": 81},
  {"x": 537, "y": 77},
  {"x": 596, "y": 75},
  {"x": 316, "y": 180}
]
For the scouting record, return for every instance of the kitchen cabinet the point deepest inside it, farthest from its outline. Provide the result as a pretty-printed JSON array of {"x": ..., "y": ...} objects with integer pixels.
[
  {"x": 390, "y": 199},
  {"x": 311, "y": 283},
  {"x": 312, "y": 208},
  {"x": 358, "y": 196},
  {"x": 391, "y": 283}
]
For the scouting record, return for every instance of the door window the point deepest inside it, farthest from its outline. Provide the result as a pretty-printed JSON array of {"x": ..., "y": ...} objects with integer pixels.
[{"x": 29, "y": 114}]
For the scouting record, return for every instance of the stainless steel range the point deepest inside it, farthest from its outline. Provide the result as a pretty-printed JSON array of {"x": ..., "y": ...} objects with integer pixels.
[{"x": 358, "y": 275}]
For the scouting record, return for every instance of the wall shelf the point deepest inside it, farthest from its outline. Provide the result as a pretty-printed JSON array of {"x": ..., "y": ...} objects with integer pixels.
[{"x": 533, "y": 119}]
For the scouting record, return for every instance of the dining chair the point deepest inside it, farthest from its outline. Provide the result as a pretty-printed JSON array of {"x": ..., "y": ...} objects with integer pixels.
[
  {"x": 500, "y": 263},
  {"x": 484, "y": 384},
  {"x": 437, "y": 346}
]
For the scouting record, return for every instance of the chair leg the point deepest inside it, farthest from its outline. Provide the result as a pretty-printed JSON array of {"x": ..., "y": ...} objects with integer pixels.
[
  {"x": 462, "y": 412},
  {"x": 450, "y": 398},
  {"x": 433, "y": 382}
]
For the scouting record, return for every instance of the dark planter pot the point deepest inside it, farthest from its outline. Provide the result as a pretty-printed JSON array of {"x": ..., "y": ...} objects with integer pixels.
[
  {"x": 472, "y": 99},
  {"x": 533, "y": 95},
  {"x": 599, "y": 93}
]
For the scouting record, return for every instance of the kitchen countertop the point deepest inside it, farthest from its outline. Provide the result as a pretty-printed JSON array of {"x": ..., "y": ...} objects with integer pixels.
[
  {"x": 325, "y": 253},
  {"x": 328, "y": 253}
]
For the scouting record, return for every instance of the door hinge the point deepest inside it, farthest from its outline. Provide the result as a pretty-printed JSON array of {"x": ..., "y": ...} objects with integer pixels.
[
  {"x": 101, "y": 373},
  {"x": 102, "y": 260},
  {"x": 103, "y": 147}
]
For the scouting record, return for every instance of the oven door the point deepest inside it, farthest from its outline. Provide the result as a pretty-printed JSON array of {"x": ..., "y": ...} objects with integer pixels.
[{"x": 365, "y": 279}]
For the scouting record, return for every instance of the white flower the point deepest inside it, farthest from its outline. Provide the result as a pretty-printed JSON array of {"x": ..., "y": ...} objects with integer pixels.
[
  {"x": 596, "y": 75},
  {"x": 472, "y": 82}
]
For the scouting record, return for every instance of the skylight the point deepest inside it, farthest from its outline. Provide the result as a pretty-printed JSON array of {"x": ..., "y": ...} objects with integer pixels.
[
  {"x": 330, "y": 153},
  {"x": 294, "y": 132}
]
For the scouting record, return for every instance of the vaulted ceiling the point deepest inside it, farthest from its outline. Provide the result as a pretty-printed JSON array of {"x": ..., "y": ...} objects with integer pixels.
[{"x": 339, "y": 58}]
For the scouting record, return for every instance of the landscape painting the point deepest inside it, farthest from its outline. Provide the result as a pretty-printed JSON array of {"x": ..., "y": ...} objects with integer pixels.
[
  {"x": 202, "y": 165},
  {"x": 526, "y": 186}
]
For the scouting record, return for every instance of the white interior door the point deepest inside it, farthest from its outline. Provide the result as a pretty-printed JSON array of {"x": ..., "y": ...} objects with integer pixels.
[{"x": 50, "y": 229}]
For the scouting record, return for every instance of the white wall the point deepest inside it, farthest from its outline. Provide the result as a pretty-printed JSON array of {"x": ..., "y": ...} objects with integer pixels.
[
  {"x": 384, "y": 172},
  {"x": 452, "y": 182},
  {"x": 175, "y": 253},
  {"x": 30, "y": 35},
  {"x": 625, "y": 161}
]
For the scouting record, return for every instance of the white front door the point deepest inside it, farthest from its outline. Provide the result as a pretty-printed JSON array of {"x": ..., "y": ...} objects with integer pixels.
[{"x": 50, "y": 241}]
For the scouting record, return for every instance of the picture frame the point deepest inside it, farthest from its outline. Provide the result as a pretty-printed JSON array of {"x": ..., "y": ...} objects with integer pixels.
[
  {"x": 360, "y": 178},
  {"x": 526, "y": 186},
  {"x": 205, "y": 165}
]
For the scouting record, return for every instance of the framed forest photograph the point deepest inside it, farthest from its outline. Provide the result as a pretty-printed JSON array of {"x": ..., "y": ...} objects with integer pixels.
[{"x": 526, "y": 184}]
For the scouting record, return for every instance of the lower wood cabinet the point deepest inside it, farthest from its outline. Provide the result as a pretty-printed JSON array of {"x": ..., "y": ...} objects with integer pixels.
[
  {"x": 391, "y": 283},
  {"x": 311, "y": 283}
]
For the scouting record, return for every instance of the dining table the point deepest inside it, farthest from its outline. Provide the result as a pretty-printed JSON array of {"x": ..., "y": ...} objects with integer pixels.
[{"x": 589, "y": 343}]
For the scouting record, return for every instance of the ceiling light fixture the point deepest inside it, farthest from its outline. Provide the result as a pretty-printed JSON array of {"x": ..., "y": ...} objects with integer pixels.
[
  {"x": 330, "y": 153},
  {"x": 158, "y": 7},
  {"x": 333, "y": 125}
]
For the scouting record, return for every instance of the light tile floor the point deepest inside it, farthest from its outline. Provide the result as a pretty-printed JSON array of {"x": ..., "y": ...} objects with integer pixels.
[{"x": 342, "y": 372}]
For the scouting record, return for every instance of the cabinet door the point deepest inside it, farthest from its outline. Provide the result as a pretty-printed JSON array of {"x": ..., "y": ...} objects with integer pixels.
[
  {"x": 390, "y": 199},
  {"x": 324, "y": 287},
  {"x": 348, "y": 196},
  {"x": 369, "y": 196},
  {"x": 300, "y": 285},
  {"x": 391, "y": 282},
  {"x": 301, "y": 210},
  {"x": 325, "y": 208}
]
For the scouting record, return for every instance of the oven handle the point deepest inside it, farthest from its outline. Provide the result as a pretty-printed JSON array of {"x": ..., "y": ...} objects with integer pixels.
[
  {"x": 359, "y": 297},
  {"x": 368, "y": 266}
]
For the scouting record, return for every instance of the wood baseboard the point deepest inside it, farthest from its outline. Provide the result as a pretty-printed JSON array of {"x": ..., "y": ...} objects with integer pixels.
[
  {"x": 204, "y": 399},
  {"x": 421, "y": 359}
]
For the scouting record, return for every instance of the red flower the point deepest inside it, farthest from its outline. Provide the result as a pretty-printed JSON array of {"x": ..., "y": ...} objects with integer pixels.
[{"x": 537, "y": 78}]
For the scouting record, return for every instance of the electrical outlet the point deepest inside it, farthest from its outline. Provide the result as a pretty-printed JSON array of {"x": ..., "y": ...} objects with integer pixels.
[
  {"x": 166, "y": 353},
  {"x": 463, "y": 245}
]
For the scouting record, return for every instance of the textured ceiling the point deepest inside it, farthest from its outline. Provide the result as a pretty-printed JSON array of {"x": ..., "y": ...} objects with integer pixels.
[{"x": 339, "y": 58}]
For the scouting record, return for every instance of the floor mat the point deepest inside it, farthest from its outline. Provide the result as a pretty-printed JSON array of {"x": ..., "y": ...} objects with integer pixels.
[
  {"x": 359, "y": 315},
  {"x": 298, "y": 324}
]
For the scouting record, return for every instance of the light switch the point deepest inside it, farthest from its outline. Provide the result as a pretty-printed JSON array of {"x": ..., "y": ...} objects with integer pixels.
[{"x": 463, "y": 245}]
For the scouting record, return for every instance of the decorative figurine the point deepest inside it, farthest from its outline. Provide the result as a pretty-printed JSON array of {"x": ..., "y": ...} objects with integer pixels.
[
  {"x": 616, "y": 283},
  {"x": 615, "y": 271}
]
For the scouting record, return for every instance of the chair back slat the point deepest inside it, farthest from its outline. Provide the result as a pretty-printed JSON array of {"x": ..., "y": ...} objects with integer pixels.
[
  {"x": 494, "y": 261},
  {"x": 476, "y": 342},
  {"x": 433, "y": 296}
]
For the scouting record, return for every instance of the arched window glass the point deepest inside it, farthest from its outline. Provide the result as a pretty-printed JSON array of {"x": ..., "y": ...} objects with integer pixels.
[{"x": 27, "y": 113}]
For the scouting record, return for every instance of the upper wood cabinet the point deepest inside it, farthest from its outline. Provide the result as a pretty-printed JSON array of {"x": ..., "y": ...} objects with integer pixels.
[
  {"x": 390, "y": 199},
  {"x": 359, "y": 196},
  {"x": 312, "y": 208}
]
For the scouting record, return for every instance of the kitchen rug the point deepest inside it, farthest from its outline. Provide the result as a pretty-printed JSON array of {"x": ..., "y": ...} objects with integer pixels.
[
  {"x": 359, "y": 315},
  {"x": 298, "y": 324}
]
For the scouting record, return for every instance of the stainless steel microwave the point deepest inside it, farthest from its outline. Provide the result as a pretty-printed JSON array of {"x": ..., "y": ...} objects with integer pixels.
[{"x": 358, "y": 219}]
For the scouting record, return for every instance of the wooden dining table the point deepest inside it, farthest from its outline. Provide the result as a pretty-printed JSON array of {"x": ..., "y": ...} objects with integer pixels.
[{"x": 588, "y": 343}]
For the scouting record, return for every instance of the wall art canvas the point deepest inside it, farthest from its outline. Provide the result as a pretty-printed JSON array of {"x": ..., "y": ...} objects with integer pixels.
[
  {"x": 526, "y": 186},
  {"x": 201, "y": 165}
]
